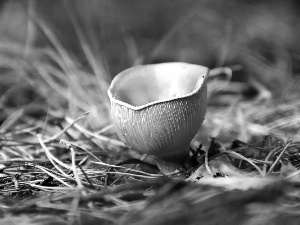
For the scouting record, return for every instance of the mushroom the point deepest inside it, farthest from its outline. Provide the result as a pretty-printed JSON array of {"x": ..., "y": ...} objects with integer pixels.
[{"x": 157, "y": 109}]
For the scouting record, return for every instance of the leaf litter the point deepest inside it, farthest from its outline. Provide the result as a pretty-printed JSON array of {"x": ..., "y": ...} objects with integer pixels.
[{"x": 53, "y": 176}]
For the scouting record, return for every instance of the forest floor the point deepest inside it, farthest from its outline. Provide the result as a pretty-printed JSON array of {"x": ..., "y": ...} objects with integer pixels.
[{"x": 61, "y": 161}]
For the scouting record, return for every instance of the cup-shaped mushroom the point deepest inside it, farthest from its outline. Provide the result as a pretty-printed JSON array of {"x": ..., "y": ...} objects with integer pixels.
[{"x": 157, "y": 109}]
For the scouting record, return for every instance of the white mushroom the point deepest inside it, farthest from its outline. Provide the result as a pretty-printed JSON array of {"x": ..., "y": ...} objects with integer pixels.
[{"x": 157, "y": 109}]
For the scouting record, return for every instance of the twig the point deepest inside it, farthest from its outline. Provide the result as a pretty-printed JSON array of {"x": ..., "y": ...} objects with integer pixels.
[
  {"x": 220, "y": 70},
  {"x": 224, "y": 150},
  {"x": 268, "y": 157},
  {"x": 52, "y": 175},
  {"x": 95, "y": 135},
  {"x": 244, "y": 158},
  {"x": 128, "y": 169},
  {"x": 277, "y": 159},
  {"x": 206, "y": 164},
  {"x": 51, "y": 188},
  {"x": 74, "y": 167},
  {"x": 104, "y": 129},
  {"x": 84, "y": 149},
  {"x": 66, "y": 128},
  {"x": 292, "y": 175},
  {"x": 79, "y": 184},
  {"x": 52, "y": 158}
]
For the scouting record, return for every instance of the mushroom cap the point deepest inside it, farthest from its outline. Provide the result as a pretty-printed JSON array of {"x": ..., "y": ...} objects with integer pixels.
[{"x": 158, "y": 109}]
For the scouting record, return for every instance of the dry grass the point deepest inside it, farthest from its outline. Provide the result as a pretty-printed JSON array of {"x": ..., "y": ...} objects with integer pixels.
[{"x": 61, "y": 161}]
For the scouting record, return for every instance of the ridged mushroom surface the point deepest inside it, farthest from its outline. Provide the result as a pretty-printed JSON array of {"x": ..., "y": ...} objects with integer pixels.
[{"x": 158, "y": 109}]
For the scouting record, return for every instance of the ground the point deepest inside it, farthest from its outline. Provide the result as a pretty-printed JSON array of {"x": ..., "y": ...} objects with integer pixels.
[{"x": 61, "y": 161}]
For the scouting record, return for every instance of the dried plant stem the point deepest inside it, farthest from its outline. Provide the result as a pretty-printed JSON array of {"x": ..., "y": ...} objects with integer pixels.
[
  {"x": 66, "y": 128},
  {"x": 52, "y": 158},
  {"x": 84, "y": 149},
  {"x": 53, "y": 175},
  {"x": 128, "y": 169},
  {"x": 206, "y": 164},
  {"x": 74, "y": 167},
  {"x": 95, "y": 135},
  {"x": 244, "y": 158},
  {"x": 51, "y": 188},
  {"x": 279, "y": 157},
  {"x": 268, "y": 157}
]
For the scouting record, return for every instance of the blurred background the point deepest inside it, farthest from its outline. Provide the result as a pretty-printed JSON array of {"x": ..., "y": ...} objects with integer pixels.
[
  {"x": 62, "y": 54},
  {"x": 123, "y": 33}
]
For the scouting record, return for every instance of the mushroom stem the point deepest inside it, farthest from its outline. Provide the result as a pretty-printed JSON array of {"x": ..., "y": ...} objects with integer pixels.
[
  {"x": 166, "y": 167},
  {"x": 172, "y": 163},
  {"x": 179, "y": 158}
]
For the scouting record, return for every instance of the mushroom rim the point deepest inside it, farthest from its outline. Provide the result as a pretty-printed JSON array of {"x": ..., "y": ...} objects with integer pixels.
[{"x": 198, "y": 88}]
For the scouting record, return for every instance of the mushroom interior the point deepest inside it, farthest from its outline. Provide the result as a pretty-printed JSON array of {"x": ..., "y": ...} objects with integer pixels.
[{"x": 143, "y": 85}]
